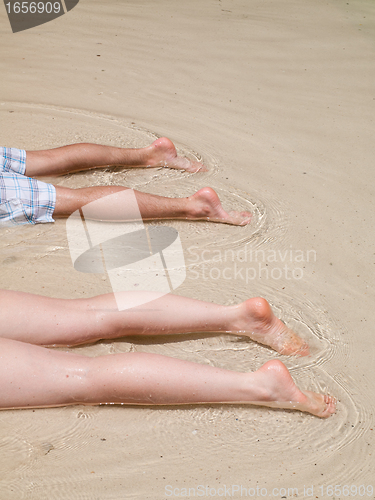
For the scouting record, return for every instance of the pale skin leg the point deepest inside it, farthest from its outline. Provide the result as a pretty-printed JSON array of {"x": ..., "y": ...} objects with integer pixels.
[
  {"x": 48, "y": 321},
  {"x": 33, "y": 376},
  {"x": 203, "y": 205}
]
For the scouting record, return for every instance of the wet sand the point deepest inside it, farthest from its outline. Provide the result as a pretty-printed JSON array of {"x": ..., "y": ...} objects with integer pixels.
[{"x": 277, "y": 99}]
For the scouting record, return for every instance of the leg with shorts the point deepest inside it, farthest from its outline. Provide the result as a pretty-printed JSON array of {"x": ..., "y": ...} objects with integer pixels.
[{"x": 203, "y": 205}]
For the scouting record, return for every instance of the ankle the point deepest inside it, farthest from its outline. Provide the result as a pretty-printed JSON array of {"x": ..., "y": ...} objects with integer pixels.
[
  {"x": 255, "y": 387},
  {"x": 197, "y": 209}
]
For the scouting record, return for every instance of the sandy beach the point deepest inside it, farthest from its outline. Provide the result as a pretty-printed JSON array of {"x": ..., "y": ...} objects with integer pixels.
[{"x": 278, "y": 100}]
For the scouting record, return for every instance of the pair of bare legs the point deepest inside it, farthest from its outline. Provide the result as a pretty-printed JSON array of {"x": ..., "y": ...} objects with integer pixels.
[
  {"x": 203, "y": 205},
  {"x": 36, "y": 376}
]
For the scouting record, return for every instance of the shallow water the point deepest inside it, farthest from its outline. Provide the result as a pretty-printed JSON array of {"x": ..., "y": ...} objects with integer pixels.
[{"x": 278, "y": 102}]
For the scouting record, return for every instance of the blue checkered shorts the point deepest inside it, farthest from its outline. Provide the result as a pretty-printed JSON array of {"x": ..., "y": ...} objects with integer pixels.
[{"x": 23, "y": 200}]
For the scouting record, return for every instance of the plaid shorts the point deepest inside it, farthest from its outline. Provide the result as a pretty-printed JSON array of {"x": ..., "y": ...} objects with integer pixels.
[{"x": 23, "y": 200}]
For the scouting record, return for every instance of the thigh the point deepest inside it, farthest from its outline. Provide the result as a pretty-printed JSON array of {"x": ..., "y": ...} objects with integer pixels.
[
  {"x": 32, "y": 376},
  {"x": 46, "y": 321}
]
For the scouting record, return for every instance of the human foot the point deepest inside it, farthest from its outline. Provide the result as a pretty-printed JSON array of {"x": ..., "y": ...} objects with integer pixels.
[
  {"x": 255, "y": 319},
  {"x": 162, "y": 153},
  {"x": 278, "y": 390},
  {"x": 205, "y": 205}
]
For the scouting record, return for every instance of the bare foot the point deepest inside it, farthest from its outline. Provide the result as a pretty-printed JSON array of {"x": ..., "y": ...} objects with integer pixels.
[
  {"x": 280, "y": 391},
  {"x": 162, "y": 153},
  {"x": 205, "y": 205},
  {"x": 256, "y": 320}
]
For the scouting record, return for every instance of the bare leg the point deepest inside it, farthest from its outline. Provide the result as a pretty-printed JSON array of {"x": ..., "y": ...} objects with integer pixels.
[
  {"x": 75, "y": 157},
  {"x": 203, "y": 205},
  {"x": 46, "y": 321},
  {"x": 32, "y": 376}
]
